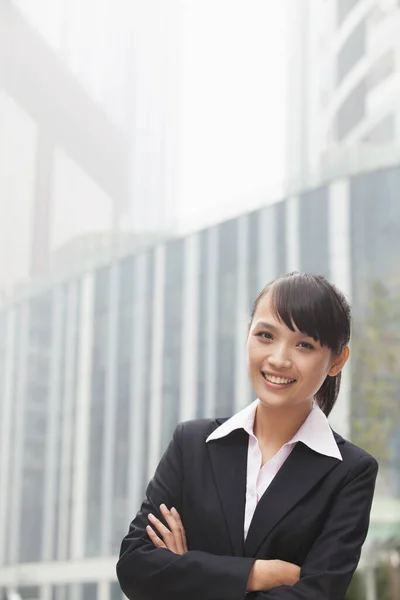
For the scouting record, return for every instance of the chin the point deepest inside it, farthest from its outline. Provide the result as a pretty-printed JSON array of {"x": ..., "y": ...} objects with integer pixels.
[{"x": 273, "y": 401}]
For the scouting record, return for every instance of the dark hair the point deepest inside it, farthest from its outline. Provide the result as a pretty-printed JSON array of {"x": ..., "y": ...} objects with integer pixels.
[{"x": 317, "y": 308}]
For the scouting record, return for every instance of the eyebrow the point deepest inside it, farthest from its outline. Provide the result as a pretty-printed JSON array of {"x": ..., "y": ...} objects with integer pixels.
[
  {"x": 266, "y": 325},
  {"x": 274, "y": 328}
]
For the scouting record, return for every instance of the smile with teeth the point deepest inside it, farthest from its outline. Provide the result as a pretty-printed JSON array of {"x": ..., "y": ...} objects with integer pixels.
[{"x": 277, "y": 380}]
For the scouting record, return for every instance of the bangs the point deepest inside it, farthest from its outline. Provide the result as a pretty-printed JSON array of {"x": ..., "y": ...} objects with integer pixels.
[{"x": 307, "y": 303}]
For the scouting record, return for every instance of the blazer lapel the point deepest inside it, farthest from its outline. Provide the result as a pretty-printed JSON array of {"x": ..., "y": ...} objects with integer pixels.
[
  {"x": 298, "y": 475},
  {"x": 229, "y": 462}
]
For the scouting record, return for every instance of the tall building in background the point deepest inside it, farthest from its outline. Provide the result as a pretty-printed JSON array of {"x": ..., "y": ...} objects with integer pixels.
[
  {"x": 156, "y": 45},
  {"x": 65, "y": 165},
  {"x": 89, "y": 114},
  {"x": 344, "y": 87},
  {"x": 96, "y": 371}
]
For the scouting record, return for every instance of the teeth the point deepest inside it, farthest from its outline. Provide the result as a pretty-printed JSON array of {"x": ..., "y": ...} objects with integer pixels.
[{"x": 280, "y": 380}]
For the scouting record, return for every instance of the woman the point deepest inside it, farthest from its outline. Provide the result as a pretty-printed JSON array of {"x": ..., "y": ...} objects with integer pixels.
[{"x": 271, "y": 502}]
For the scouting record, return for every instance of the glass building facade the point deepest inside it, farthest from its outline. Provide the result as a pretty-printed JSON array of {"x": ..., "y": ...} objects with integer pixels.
[{"x": 96, "y": 371}]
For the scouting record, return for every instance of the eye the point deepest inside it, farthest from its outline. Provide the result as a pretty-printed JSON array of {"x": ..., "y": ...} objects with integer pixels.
[
  {"x": 306, "y": 345},
  {"x": 264, "y": 335}
]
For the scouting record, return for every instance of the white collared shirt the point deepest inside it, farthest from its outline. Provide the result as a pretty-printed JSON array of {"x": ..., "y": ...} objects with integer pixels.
[{"x": 315, "y": 433}]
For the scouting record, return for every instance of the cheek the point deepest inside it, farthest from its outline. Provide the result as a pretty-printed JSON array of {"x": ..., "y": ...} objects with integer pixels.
[
  {"x": 318, "y": 372},
  {"x": 254, "y": 356},
  {"x": 248, "y": 356}
]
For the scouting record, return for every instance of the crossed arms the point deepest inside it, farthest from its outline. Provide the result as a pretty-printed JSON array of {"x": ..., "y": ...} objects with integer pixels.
[{"x": 149, "y": 571}]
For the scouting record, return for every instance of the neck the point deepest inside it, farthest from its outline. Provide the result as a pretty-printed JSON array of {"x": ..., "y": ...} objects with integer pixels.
[{"x": 275, "y": 427}]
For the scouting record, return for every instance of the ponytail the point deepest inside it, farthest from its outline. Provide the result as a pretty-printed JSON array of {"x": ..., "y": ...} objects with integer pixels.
[{"x": 328, "y": 392}]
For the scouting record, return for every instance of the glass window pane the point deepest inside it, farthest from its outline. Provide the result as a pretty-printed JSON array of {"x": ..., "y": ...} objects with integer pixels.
[
  {"x": 280, "y": 237},
  {"x": 202, "y": 349},
  {"x": 35, "y": 427},
  {"x": 226, "y": 316},
  {"x": 344, "y": 7},
  {"x": 381, "y": 70},
  {"x": 352, "y": 51},
  {"x": 375, "y": 237},
  {"x": 352, "y": 111},
  {"x": 89, "y": 591},
  {"x": 383, "y": 132},
  {"x": 173, "y": 307},
  {"x": 97, "y": 408},
  {"x": 313, "y": 235}
]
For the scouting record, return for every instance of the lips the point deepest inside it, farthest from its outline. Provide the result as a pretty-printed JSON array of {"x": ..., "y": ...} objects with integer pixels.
[{"x": 277, "y": 380}]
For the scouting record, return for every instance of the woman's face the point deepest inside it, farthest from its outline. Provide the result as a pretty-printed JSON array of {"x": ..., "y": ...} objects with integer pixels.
[{"x": 286, "y": 368}]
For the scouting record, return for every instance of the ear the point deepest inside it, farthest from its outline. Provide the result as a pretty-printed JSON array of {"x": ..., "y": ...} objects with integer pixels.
[{"x": 339, "y": 361}]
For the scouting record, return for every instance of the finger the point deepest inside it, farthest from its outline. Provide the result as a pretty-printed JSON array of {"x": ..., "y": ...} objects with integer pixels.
[
  {"x": 175, "y": 529},
  {"x": 166, "y": 534},
  {"x": 180, "y": 524},
  {"x": 158, "y": 543}
]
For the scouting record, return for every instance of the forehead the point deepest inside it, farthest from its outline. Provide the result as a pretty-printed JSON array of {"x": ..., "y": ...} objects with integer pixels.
[
  {"x": 266, "y": 313},
  {"x": 265, "y": 307}
]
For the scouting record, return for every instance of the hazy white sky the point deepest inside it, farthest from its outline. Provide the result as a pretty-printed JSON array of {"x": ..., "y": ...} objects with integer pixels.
[
  {"x": 231, "y": 113},
  {"x": 234, "y": 114},
  {"x": 210, "y": 138}
]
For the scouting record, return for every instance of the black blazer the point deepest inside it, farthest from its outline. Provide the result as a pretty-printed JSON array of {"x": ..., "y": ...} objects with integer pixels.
[{"x": 315, "y": 514}]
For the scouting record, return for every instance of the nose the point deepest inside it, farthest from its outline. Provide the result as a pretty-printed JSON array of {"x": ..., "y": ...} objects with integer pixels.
[{"x": 279, "y": 359}]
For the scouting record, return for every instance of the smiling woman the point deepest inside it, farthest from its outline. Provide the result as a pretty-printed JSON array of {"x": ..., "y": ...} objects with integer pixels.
[
  {"x": 271, "y": 502},
  {"x": 299, "y": 330}
]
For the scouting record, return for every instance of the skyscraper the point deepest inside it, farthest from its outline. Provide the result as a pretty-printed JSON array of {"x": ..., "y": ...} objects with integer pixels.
[
  {"x": 344, "y": 87},
  {"x": 89, "y": 114},
  {"x": 97, "y": 369}
]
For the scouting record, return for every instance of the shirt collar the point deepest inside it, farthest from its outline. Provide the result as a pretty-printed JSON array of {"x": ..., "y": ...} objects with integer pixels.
[{"x": 315, "y": 432}]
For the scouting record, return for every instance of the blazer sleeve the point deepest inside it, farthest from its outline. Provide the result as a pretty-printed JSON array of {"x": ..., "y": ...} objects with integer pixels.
[
  {"x": 333, "y": 558},
  {"x": 149, "y": 573}
]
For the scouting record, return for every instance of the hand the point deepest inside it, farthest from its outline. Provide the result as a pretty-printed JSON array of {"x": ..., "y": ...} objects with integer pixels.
[
  {"x": 288, "y": 573},
  {"x": 174, "y": 538},
  {"x": 268, "y": 574}
]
